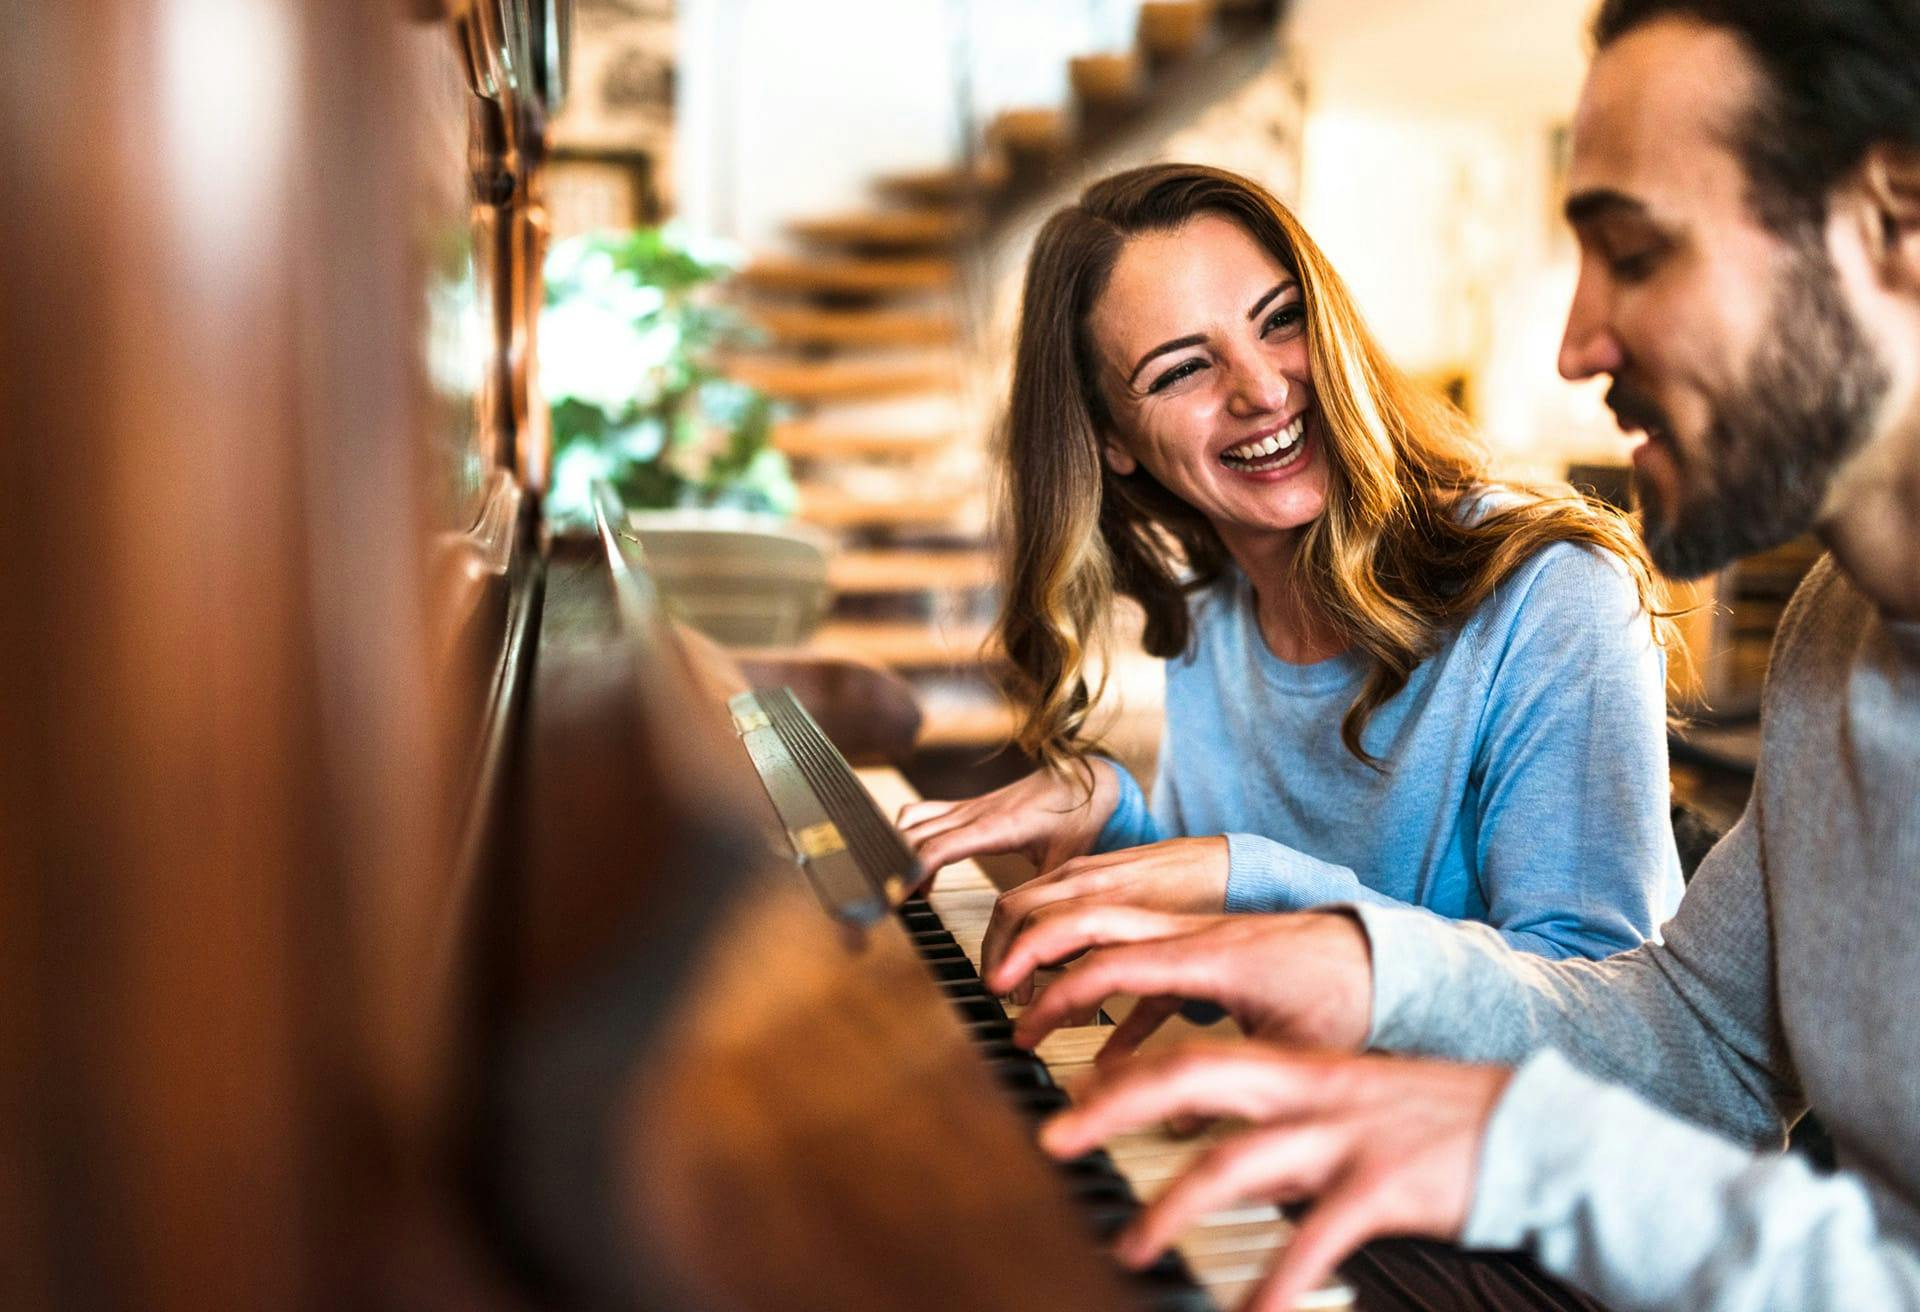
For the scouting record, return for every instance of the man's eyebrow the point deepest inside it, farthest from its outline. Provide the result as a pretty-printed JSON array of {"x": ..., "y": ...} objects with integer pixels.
[
  {"x": 1603, "y": 202},
  {"x": 1178, "y": 343},
  {"x": 1274, "y": 291}
]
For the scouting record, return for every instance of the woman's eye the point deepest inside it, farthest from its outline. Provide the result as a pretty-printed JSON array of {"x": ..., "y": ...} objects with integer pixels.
[
  {"x": 1287, "y": 316},
  {"x": 1174, "y": 375}
]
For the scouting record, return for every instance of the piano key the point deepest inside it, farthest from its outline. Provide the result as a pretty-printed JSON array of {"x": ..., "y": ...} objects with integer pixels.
[{"x": 1226, "y": 1251}]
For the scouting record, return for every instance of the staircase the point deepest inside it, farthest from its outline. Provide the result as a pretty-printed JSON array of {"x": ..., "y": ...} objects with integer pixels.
[{"x": 871, "y": 341}]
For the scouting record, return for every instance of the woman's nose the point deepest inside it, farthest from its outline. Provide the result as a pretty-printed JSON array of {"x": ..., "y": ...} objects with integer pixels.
[{"x": 1259, "y": 388}]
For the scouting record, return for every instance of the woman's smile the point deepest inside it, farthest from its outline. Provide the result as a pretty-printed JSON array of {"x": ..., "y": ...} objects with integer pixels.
[
  {"x": 1280, "y": 448},
  {"x": 1210, "y": 377}
]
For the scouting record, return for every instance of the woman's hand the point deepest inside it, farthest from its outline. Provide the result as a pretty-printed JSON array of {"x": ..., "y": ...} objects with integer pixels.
[
  {"x": 1043, "y": 817},
  {"x": 1178, "y": 875}
]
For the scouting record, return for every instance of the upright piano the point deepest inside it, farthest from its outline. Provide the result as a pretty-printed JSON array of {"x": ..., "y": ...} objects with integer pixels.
[{"x": 389, "y": 912}]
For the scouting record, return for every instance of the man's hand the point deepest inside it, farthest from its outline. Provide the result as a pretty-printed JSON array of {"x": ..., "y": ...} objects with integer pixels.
[
  {"x": 1045, "y": 817},
  {"x": 1178, "y": 875},
  {"x": 1305, "y": 978},
  {"x": 1378, "y": 1145}
]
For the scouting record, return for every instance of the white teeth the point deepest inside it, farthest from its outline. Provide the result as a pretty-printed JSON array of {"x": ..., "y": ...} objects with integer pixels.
[{"x": 1285, "y": 438}]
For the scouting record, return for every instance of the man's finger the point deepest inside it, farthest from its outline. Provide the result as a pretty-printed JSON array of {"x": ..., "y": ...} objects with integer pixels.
[
  {"x": 1147, "y": 1016},
  {"x": 1274, "y": 1164},
  {"x": 1346, "y": 1217},
  {"x": 1013, "y": 912},
  {"x": 1051, "y": 939},
  {"x": 1207, "y": 1079}
]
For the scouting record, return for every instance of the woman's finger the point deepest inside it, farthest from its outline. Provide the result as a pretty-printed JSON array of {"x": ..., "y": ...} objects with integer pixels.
[
  {"x": 955, "y": 817},
  {"x": 914, "y": 813},
  {"x": 964, "y": 840}
]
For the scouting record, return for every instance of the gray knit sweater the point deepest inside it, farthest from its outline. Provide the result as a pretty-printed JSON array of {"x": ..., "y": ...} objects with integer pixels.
[{"x": 1636, "y": 1151}]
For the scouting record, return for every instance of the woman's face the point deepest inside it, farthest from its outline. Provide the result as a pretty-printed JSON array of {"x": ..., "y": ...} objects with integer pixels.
[{"x": 1200, "y": 342}]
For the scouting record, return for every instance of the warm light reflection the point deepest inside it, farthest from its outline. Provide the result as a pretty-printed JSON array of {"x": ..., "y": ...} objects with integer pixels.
[{"x": 227, "y": 73}]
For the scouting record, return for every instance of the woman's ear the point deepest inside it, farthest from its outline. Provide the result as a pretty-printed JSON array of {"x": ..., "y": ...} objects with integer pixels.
[{"x": 1118, "y": 459}]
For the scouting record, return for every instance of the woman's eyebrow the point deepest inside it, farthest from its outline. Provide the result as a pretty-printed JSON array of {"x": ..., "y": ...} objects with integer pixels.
[
  {"x": 1178, "y": 343},
  {"x": 1272, "y": 292}
]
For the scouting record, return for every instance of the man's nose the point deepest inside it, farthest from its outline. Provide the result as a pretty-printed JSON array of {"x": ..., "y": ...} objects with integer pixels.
[{"x": 1589, "y": 345}]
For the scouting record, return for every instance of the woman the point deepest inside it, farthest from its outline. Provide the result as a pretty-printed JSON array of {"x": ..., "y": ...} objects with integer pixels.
[{"x": 1388, "y": 680}]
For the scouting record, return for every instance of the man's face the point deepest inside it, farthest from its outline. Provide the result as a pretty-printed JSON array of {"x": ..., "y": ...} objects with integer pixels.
[{"x": 1732, "y": 349}]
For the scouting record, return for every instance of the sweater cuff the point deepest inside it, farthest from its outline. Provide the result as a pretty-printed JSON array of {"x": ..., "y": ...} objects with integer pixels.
[
  {"x": 1409, "y": 960},
  {"x": 1131, "y": 824},
  {"x": 1263, "y": 875},
  {"x": 1536, "y": 1135}
]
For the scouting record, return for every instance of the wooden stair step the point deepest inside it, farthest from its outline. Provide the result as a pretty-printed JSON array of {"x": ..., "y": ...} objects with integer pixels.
[
  {"x": 832, "y": 508},
  {"x": 803, "y": 325},
  {"x": 915, "y": 228},
  {"x": 808, "y": 439},
  {"x": 907, "y": 644},
  {"x": 1038, "y": 130},
  {"x": 812, "y": 381},
  {"x": 848, "y": 276},
  {"x": 1174, "y": 29},
  {"x": 945, "y": 185},
  {"x": 1106, "y": 79},
  {"x": 911, "y": 570}
]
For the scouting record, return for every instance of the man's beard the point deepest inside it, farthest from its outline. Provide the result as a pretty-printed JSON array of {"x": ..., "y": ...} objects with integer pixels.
[{"x": 1812, "y": 387}]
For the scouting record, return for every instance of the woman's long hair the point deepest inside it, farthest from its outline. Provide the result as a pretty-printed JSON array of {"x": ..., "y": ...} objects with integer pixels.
[{"x": 1390, "y": 563}]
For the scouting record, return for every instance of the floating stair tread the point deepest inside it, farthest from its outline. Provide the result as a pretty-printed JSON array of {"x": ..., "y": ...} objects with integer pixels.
[
  {"x": 946, "y": 184},
  {"x": 845, "y": 275},
  {"x": 925, "y": 226},
  {"x": 907, "y": 644},
  {"x": 911, "y": 570},
  {"x": 811, "y": 439},
  {"x": 802, "y": 325},
  {"x": 1036, "y": 129},
  {"x": 1174, "y": 29},
  {"x": 1107, "y": 78},
  {"x": 840, "y": 380},
  {"x": 834, "y": 509}
]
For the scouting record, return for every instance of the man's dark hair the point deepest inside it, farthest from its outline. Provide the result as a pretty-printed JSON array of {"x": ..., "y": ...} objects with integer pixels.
[{"x": 1840, "y": 77}]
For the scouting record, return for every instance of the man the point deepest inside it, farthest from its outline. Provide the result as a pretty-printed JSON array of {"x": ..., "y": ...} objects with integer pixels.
[{"x": 1746, "y": 190}]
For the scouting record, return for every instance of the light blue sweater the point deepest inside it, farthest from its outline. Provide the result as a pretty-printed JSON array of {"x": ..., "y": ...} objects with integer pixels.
[{"x": 1525, "y": 780}]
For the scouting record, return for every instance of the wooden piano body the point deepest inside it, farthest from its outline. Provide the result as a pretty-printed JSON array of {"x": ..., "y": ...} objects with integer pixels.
[{"x": 386, "y": 911}]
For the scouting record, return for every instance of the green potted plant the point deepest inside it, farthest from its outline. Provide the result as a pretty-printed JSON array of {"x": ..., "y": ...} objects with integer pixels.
[{"x": 627, "y": 341}]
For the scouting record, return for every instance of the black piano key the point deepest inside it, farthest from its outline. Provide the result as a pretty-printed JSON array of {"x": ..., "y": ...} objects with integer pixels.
[
  {"x": 992, "y": 1030},
  {"x": 980, "y": 1009},
  {"x": 1185, "y": 1296},
  {"x": 1102, "y": 1196}
]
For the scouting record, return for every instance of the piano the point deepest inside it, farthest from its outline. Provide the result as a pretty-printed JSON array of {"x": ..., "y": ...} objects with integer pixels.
[{"x": 390, "y": 914}]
